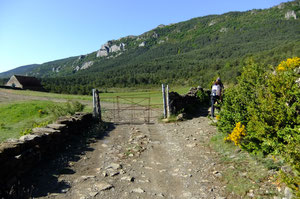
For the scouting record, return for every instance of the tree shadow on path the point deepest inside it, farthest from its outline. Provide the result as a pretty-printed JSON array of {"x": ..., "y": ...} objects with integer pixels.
[
  {"x": 197, "y": 111},
  {"x": 44, "y": 178}
]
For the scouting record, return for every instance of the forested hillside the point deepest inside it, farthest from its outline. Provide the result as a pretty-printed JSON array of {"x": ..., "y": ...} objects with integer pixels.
[
  {"x": 20, "y": 70},
  {"x": 187, "y": 53}
]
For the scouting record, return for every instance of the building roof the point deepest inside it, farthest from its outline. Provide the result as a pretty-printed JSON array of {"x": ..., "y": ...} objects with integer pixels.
[{"x": 27, "y": 81}]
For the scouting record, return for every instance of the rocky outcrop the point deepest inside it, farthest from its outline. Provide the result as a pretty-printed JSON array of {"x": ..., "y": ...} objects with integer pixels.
[
  {"x": 109, "y": 47},
  {"x": 281, "y": 6},
  {"x": 142, "y": 44},
  {"x": 56, "y": 69},
  {"x": 77, "y": 68},
  {"x": 224, "y": 29},
  {"x": 18, "y": 156},
  {"x": 86, "y": 65},
  {"x": 155, "y": 35},
  {"x": 290, "y": 14},
  {"x": 213, "y": 22},
  {"x": 81, "y": 57}
]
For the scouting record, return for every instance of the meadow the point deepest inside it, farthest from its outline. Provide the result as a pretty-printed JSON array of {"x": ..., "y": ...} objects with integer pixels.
[
  {"x": 19, "y": 117},
  {"x": 16, "y": 117}
]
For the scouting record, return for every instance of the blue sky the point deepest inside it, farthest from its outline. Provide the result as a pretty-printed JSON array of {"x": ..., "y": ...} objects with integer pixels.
[{"x": 38, "y": 31}]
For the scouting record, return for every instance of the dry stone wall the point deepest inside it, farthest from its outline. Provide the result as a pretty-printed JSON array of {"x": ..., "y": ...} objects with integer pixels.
[
  {"x": 18, "y": 156},
  {"x": 182, "y": 103}
]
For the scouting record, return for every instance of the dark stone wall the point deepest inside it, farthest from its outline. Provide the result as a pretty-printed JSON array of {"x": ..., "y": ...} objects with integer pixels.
[
  {"x": 18, "y": 156},
  {"x": 186, "y": 103}
]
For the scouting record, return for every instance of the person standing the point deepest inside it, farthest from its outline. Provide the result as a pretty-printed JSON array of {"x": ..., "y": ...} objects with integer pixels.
[{"x": 215, "y": 95}]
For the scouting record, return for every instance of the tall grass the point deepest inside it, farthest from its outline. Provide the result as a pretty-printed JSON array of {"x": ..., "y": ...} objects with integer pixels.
[{"x": 18, "y": 118}]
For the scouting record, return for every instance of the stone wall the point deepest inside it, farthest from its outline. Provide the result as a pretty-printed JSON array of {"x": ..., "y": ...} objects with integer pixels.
[
  {"x": 183, "y": 103},
  {"x": 18, "y": 156}
]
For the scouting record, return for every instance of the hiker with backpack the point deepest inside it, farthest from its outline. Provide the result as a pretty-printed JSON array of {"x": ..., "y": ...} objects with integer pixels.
[{"x": 215, "y": 95}]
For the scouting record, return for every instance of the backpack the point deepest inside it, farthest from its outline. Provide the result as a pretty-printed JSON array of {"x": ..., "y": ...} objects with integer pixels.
[{"x": 214, "y": 92}]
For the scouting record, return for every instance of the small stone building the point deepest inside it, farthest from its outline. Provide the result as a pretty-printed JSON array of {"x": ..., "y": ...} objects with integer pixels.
[{"x": 24, "y": 82}]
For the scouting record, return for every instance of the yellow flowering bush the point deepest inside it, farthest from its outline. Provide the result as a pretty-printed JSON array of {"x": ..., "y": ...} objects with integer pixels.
[
  {"x": 290, "y": 63},
  {"x": 267, "y": 102},
  {"x": 237, "y": 134}
]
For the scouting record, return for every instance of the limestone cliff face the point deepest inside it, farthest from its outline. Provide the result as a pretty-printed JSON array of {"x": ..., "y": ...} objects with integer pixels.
[
  {"x": 86, "y": 65},
  {"x": 291, "y": 15},
  {"x": 109, "y": 47}
]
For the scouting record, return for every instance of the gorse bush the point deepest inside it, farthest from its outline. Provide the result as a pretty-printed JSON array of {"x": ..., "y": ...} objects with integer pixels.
[
  {"x": 266, "y": 101},
  {"x": 237, "y": 134}
]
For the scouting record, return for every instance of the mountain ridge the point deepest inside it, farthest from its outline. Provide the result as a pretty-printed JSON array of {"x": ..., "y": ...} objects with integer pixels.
[
  {"x": 19, "y": 70},
  {"x": 197, "y": 49}
]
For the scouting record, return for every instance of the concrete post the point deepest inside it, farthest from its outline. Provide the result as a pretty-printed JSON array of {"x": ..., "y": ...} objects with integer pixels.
[{"x": 164, "y": 100}]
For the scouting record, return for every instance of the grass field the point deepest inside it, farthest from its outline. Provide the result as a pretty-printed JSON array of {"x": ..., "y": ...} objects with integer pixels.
[
  {"x": 17, "y": 116},
  {"x": 130, "y": 94}
]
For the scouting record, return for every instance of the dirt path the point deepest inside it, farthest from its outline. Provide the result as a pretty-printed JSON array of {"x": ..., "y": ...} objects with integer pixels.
[{"x": 136, "y": 161}]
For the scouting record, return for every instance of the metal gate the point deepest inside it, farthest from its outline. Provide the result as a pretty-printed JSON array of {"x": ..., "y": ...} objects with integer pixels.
[{"x": 127, "y": 110}]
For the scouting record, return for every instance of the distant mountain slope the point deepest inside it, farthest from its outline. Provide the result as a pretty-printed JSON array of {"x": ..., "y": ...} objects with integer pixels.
[
  {"x": 185, "y": 53},
  {"x": 20, "y": 70}
]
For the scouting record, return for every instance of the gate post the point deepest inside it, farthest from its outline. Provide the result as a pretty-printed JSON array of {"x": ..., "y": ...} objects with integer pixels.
[
  {"x": 164, "y": 100},
  {"x": 168, "y": 102},
  {"x": 96, "y": 105}
]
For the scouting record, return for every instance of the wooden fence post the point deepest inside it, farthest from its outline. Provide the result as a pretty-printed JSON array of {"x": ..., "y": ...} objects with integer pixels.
[
  {"x": 96, "y": 105},
  {"x": 164, "y": 100},
  {"x": 168, "y": 102}
]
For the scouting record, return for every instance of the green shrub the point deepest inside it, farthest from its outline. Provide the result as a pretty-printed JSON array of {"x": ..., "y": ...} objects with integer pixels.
[
  {"x": 203, "y": 97},
  {"x": 266, "y": 101},
  {"x": 68, "y": 108}
]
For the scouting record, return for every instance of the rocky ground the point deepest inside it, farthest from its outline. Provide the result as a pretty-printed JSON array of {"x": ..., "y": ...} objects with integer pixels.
[{"x": 139, "y": 161}]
